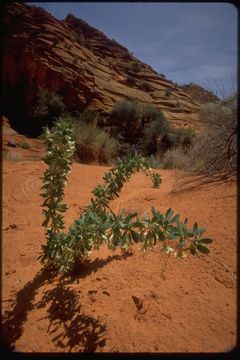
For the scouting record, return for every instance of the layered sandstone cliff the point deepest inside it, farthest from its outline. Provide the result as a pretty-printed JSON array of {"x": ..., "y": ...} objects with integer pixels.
[{"x": 83, "y": 65}]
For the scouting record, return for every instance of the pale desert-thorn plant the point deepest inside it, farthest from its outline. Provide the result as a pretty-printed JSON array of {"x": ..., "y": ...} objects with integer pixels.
[
  {"x": 60, "y": 151},
  {"x": 98, "y": 224}
]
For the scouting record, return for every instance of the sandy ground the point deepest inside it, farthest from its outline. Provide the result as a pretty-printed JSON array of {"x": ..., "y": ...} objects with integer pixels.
[{"x": 192, "y": 308}]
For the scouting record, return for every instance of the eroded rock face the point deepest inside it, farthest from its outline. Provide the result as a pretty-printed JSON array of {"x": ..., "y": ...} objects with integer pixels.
[
  {"x": 81, "y": 64},
  {"x": 199, "y": 94}
]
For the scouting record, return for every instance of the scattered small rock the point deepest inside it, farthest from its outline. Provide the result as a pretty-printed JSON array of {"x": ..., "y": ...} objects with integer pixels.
[
  {"x": 106, "y": 292},
  {"x": 138, "y": 302},
  {"x": 11, "y": 226},
  {"x": 149, "y": 198},
  {"x": 11, "y": 143}
]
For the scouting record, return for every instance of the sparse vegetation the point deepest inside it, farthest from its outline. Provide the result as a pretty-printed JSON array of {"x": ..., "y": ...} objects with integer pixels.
[
  {"x": 131, "y": 80},
  {"x": 145, "y": 86},
  {"x": 48, "y": 106},
  {"x": 213, "y": 151},
  {"x": 168, "y": 92},
  {"x": 24, "y": 145},
  {"x": 136, "y": 67},
  {"x": 99, "y": 224},
  {"x": 93, "y": 144}
]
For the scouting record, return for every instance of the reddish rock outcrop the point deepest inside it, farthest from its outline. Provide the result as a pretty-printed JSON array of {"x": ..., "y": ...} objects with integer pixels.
[
  {"x": 83, "y": 65},
  {"x": 199, "y": 94}
]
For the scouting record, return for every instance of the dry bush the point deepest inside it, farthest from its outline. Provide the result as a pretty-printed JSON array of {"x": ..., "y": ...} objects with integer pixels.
[
  {"x": 214, "y": 150},
  {"x": 175, "y": 158},
  {"x": 220, "y": 145},
  {"x": 94, "y": 145}
]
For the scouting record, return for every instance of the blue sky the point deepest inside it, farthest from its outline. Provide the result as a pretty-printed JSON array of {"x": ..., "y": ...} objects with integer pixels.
[{"x": 187, "y": 42}]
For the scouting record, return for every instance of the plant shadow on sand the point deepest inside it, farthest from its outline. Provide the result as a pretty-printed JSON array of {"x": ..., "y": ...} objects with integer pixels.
[
  {"x": 188, "y": 183},
  {"x": 70, "y": 327}
]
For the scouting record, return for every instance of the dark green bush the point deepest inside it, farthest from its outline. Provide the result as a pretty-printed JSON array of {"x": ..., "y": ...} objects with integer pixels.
[
  {"x": 154, "y": 131},
  {"x": 130, "y": 118},
  {"x": 48, "y": 106},
  {"x": 145, "y": 86},
  {"x": 131, "y": 80},
  {"x": 136, "y": 67},
  {"x": 168, "y": 92}
]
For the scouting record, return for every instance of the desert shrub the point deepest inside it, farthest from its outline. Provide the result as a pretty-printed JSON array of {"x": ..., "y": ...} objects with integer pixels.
[
  {"x": 48, "y": 107},
  {"x": 160, "y": 136},
  {"x": 131, "y": 80},
  {"x": 98, "y": 224},
  {"x": 145, "y": 86},
  {"x": 178, "y": 137},
  {"x": 176, "y": 158},
  {"x": 154, "y": 131},
  {"x": 24, "y": 145},
  {"x": 136, "y": 67},
  {"x": 220, "y": 146},
  {"x": 126, "y": 117},
  {"x": 168, "y": 92},
  {"x": 130, "y": 118},
  {"x": 87, "y": 43},
  {"x": 89, "y": 116},
  {"x": 108, "y": 149},
  {"x": 94, "y": 144}
]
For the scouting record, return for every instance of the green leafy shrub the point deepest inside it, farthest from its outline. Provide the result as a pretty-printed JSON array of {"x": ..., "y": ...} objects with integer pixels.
[
  {"x": 154, "y": 132},
  {"x": 130, "y": 118},
  {"x": 60, "y": 150},
  {"x": 99, "y": 224}
]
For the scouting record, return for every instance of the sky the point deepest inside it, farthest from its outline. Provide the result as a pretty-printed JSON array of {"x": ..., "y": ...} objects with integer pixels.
[{"x": 187, "y": 42}]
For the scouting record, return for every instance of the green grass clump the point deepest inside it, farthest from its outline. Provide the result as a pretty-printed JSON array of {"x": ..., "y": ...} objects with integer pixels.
[{"x": 94, "y": 144}]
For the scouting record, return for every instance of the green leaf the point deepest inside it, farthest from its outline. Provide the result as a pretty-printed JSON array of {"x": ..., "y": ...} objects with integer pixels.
[
  {"x": 192, "y": 249},
  {"x": 195, "y": 228},
  {"x": 135, "y": 235},
  {"x": 169, "y": 213},
  {"x": 175, "y": 219},
  {"x": 205, "y": 241},
  {"x": 161, "y": 235},
  {"x": 203, "y": 249}
]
